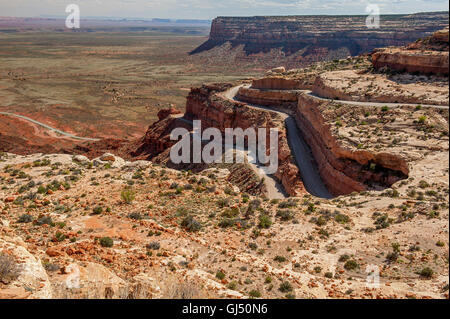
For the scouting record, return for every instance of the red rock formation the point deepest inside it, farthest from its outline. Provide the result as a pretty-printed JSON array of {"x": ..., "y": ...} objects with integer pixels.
[
  {"x": 313, "y": 33},
  {"x": 277, "y": 83},
  {"x": 166, "y": 112},
  {"x": 342, "y": 169},
  {"x": 428, "y": 56},
  {"x": 216, "y": 111},
  {"x": 268, "y": 98}
]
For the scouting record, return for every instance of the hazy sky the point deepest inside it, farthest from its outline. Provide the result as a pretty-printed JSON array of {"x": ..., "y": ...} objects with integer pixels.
[{"x": 207, "y": 9}]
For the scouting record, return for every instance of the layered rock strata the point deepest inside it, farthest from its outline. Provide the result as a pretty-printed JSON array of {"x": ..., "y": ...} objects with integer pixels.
[
  {"x": 427, "y": 56},
  {"x": 344, "y": 170},
  {"x": 309, "y": 33}
]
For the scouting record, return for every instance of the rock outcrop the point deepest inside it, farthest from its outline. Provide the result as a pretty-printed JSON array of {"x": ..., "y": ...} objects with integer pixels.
[
  {"x": 311, "y": 34},
  {"x": 427, "y": 56},
  {"x": 31, "y": 273},
  {"x": 206, "y": 103},
  {"x": 268, "y": 98},
  {"x": 342, "y": 169}
]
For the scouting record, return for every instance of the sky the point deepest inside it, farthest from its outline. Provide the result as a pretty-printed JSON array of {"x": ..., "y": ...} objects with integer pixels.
[{"x": 209, "y": 9}]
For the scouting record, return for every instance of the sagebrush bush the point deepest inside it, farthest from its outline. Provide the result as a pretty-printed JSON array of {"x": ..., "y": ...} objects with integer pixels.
[
  {"x": 128, "y": 195},
  {"x": 106, "y": 242},
  {"x": 9, "y": 269},
  {"x": 190, "y": 224}
]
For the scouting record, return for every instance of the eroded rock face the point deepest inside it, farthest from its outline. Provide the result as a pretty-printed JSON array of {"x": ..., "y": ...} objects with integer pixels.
[
  {"x": 309, "y": 33},
  {"x": 412, "y": 61},
  {"x": 166, "y": 112},
  {"x": 342, "y": 169},
  {"x": 427, "y": 56},
  {"x": 277, "y": 83},
  {"x": 31, "y": 272},
  {"x": 214, "y": 110},
  {"x": 268, "y": 98}
]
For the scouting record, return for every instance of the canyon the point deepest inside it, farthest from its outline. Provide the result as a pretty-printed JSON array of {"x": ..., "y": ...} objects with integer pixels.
[{"x": 123, "y": 220}]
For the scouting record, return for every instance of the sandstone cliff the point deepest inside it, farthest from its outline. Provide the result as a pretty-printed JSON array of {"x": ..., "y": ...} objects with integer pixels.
[
  {"x": 344, "y": 170},
  {"x": 425, "y": 56},
  {"x": 312, "y": 34}
]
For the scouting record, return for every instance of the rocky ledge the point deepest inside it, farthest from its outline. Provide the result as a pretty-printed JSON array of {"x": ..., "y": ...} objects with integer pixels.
[{"x": 425, "y": 56}]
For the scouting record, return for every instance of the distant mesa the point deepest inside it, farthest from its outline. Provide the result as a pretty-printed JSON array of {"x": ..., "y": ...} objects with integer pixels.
[{"x": 336, "y": 36}]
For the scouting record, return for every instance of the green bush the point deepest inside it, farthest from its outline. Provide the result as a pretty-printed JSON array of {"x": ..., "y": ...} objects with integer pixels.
[
  {"x": 351, "y": 265},
  {"x": 220, "y": 275},
  {"x": 106, "y": 242},
  {"x": 264, "y": 221},
  {"x": 97, "y": 210},
  {"x": 427, "y": 272},
  {"x": 285, "y": 287},
  {"x": 190, "y": 224},
  {"x": 254, "y": 294},
  {"x": 128, "y": 195}
]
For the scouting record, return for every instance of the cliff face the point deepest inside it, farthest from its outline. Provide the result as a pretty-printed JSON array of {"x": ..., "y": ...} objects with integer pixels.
[
  {"x": 427, "y": 56},
  {"x": 344, "y": 170},
  {"x": 214, "y": 110},
  {"x": 312, "y": 33},
  {"x": 205, "y": 103}
]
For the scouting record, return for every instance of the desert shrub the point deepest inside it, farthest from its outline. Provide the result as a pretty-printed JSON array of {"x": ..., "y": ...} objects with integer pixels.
[
  {"x": 135, "y": 216},
  {"x": 154, "y": 245},
  {"x": 264, "y": 221},
  {"x": 128, "y": 195},
  {"x": 254, "y": 294},
  {"x": 382, "y": 221},
  {"x": 285, "y": 215},
  {"x": 190, "y": 224},
  {"x": 25, "y": 218},
  {"x": 285, "y": 287},
  {"x": 351, "y": 265},
  {"x": 255, "y": 204},
  {"x": 232, "y": 285},
  {"x": 50, "y": 267},
  {"x": 422, "y": 119},
  {"x": 423, "y": 184},
  {"x": 227, "y": 222},
  {"x": 106, "y": 242},
  {"x": 220, "y": 275},
  {"x": 344, "y": 258},
  {"x": 231, "y": 212},
  {"x": 223, "y": 202},
  {"x": 426, "y": 272},
  {"x": 97, "y": 210},
  {"x": 280, "y": 259},
  {"x": 9, "y": 269},
  {"x": 290, "y": 203},
  {"x": 341, "y": 218},
  {"x": 229, "y": 191},
  {"x": 44, "y": 220}
]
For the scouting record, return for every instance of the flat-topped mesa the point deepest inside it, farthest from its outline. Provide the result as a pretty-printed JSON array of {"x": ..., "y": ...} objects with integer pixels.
[
  {"x": 309, "y": 33},
  {"x": 425, "y": 56}
]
